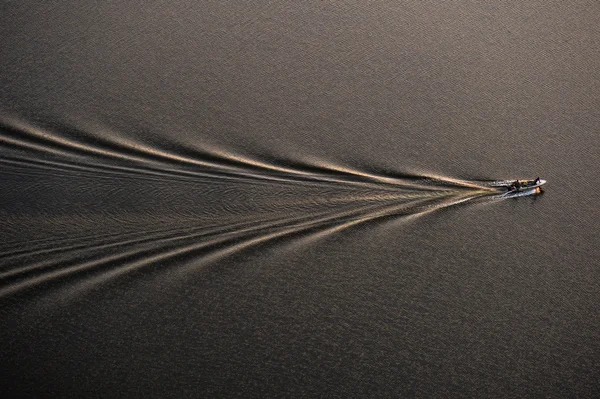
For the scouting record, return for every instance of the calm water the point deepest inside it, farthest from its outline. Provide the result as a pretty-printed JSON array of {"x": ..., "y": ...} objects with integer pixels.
[{"x": 290, "y": 199}]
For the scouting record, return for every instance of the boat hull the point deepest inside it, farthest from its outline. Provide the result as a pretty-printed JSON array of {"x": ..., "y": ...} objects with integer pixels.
[{"x": 525, "y": 185}]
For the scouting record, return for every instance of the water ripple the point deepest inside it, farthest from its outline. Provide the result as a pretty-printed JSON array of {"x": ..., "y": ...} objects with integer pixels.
[{"x": 83, "y": 207}]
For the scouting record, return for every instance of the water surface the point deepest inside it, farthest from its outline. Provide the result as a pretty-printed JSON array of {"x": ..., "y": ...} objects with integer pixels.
[{"x": 292, "y": 199}]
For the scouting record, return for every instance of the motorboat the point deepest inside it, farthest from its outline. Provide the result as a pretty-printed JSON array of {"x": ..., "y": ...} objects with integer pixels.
[{"x": 524, "y": 185}]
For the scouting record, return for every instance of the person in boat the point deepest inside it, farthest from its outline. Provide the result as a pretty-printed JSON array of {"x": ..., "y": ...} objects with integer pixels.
[{"x": 537, "y": 180}]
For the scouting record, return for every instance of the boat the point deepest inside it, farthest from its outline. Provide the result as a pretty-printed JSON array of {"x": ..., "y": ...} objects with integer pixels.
[{"x": 522, "y": 185}]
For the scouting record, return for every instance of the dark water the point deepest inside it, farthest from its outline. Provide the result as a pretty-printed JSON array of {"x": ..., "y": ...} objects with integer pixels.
[{"x": 290, "y": 199}]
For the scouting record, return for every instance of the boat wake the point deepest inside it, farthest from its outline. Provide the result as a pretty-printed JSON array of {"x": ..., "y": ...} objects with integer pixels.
[{"x": 86, "y": 207}]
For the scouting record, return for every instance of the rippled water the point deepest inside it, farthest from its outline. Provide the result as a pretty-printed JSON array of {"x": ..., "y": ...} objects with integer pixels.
[
  {"x": 286, "y": 199},
  {"x": 78, "y": 204}
]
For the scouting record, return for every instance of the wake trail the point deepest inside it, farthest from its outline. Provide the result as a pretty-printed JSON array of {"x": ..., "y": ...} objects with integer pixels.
[
  {"x": 73, "y": 149},
  {"x": 203, "y": 244},
  {"x": 83, "y": 207}
]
